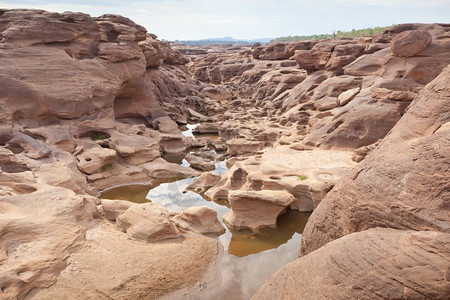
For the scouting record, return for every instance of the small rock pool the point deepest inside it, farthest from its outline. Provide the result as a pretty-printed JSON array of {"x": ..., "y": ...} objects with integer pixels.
[{"x": 249, "y": 259}]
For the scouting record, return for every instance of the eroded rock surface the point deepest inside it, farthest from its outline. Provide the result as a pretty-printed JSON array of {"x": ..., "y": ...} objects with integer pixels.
[
  {"x": 90, "y": 103},
  {"x": 402, "y": 184},
  {"x": 86, "y": 104},
  {"x": 374, "y": 264}
]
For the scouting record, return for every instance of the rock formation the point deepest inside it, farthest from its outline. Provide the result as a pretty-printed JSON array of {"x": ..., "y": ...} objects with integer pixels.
[
  {"x": 374, "y": 264},
  {"x": 352, "y": 94},
  {"x": 90, "y": 103},
  {"x": 347, "y": 252},
  {"x": 402, "y": 184},
  {"x": 83, "y": 106}
]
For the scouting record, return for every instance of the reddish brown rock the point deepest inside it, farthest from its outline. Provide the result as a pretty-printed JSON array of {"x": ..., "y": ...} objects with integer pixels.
[
  {"x": 422, "y": 69},
  {"x": 200, "y": 163},
  {"x": 402, "y": 184},
  {"x": 374, "y": 264},
  {"x": 279, "y": 51},
  {"x": 410, "y": 43}
]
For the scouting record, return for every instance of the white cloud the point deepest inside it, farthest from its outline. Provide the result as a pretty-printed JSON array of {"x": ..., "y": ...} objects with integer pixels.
[{"x": 195, "y": 19}]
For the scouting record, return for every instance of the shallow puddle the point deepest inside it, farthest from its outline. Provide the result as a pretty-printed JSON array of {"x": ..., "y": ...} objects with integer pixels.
[
  {"x": 187, "y": 129},
  {"x": 133, "y": 193}
]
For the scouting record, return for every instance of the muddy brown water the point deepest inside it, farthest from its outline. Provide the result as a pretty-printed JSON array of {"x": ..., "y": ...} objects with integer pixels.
[{"x": 249, "y": 259}]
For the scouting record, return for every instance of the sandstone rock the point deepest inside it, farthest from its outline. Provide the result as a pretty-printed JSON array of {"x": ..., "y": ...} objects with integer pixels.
[
  {"x": 205, "y": 181},
  {"x": 347, "y": 96},
  {"x": 135, "y": 149},
  {"x": 171, "y": 56},
  {"x": 421, "y": 69},
  {"x": 401, "y": 184},
  {"x": 165, "y": 124},
  {"x": 113, "y": 208},
  {"x": 217, "y": 93},
  {"x": 93, "y": 160},
  {"x": 410, "y": 43},
  {"x": 326, "y": 103},
  {"x": 200, "y": 163},
  {"x": 117, "y": 53},
  {"x": 152, "y": 52},
  {"x": 374, "y": 264},
  {"x": 208, "y": 128},
  {"x": 141, "y": 269},
  {"x": 199, "y": 219},
  {"x": 278, "y": 51},
  {"x": 359, "y": 123},
  {"x": 161, "y": 169},
  {"x": 360, "y": 153},
  {"x": 32, "y": 148},
  {"x": 36, "y": 243},
  {"x": 255, "y": 210},
  {"x": 147, "y": 222},
  {"x": 386, "y": 94},
  {"x": 9, "y": 162},
  {"x": 328, "y": 54},
  {"x": 280, "y": 168},
  {"x": 242, "y": 146}
]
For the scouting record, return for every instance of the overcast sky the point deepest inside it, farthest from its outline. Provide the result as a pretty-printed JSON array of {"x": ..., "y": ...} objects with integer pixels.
[{"x": 249, "y": 19}]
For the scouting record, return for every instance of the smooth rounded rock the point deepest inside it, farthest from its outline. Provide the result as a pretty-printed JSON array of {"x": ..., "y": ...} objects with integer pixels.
[{"x": 411, "y": 42}]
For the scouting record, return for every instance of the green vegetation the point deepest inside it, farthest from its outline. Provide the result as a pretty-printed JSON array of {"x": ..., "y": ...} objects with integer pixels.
[
  {"x": 334, "y": 35},
  {"x": 302, "y": 177},
  {"x": 96, "y": 136}
]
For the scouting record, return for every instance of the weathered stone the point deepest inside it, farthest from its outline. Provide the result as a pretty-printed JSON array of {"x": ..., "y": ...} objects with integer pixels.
[
  {"x": 94, "y": 159},
  {"x": 374, "y": 264},
  {"x": 204, "y": 182},
  {"x": 113, "y": 208},
  {"x": 199, "y": 219},
  {"x": 410, "y": 43},
  {"x": 402, "y": 184},
  {"x": 147, "y": 222},
  {"x": 255, "y": 210}
]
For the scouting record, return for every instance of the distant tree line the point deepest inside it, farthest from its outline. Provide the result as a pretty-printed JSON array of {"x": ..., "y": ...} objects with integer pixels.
[{"x": 334, "y": 35}]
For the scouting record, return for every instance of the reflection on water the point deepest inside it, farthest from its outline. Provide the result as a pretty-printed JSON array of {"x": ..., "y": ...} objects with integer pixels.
[
  {"x": 133, "y": 193},
  {"x": 243, "y": 276},
  {"x": 187, "y": 129},
  {"x": 245, "y": 243}
]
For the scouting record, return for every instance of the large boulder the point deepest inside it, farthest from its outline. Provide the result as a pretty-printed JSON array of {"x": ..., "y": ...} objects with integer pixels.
[
  {"x": 199, "y": 219},
  {"x": 94, "y": 159},
  {"x": 147, "y": 222},
  {"x": 255, "y": 210},
  {"x": 402, "y": 184},
  {"x": 135, "y": 149},
  {"x": 410, "y": 43},
  {"x": 406, "y": 64},
  {"x": 374, "y": 264}
]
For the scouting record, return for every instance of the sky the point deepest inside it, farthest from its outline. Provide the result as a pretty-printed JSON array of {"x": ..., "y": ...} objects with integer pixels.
[{"x": 251, "y": 19}]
